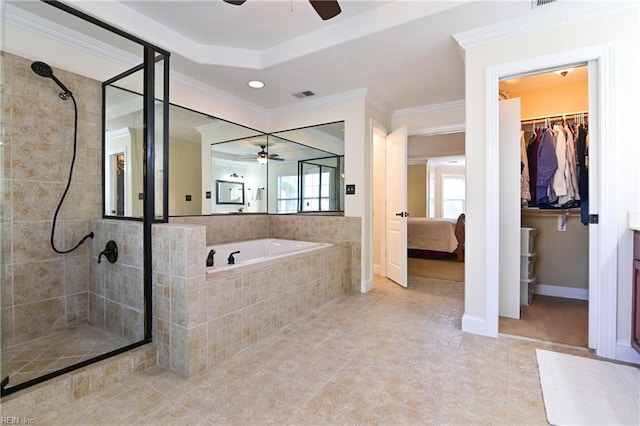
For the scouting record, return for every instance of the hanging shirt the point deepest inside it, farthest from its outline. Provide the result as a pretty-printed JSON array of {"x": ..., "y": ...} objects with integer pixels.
[{"x": 547, "y": 166}]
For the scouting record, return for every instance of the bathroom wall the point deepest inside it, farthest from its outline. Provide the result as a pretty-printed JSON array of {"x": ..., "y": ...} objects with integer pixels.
[
  {"x": 328, "y": 229},
  {"x": 116, "y": 291},
  {"x": 46, "y": 292}
]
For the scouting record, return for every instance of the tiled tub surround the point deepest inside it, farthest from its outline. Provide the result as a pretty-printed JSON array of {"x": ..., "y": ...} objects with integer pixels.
[
  {"x": 341, "y": 230},
  {"x": 44, "y": 292},
  {"x": 202, "y": 319}
]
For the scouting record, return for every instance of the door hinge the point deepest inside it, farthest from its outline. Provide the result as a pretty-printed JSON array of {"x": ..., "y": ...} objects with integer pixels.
[{"x": 593, "y": 218}]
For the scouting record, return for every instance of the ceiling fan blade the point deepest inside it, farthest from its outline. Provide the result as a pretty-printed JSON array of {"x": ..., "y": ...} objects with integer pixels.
[
  {"x": 234, "y": 2},
  {"x": 276, "y": 158},
  {"x": 327, "y": 9}
]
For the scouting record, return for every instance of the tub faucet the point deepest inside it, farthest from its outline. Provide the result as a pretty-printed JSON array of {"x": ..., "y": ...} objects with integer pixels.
[
  {"x": 232, "y": 260},
  {"x": 210, "y": 257}
]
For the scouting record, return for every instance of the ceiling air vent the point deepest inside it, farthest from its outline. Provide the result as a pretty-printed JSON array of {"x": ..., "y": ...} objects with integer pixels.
[
  {"x": 305, "y": 94},
  {"x": 538, "y": 3}
]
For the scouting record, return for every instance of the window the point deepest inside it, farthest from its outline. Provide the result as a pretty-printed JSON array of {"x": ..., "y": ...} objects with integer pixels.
[
  {"x": 318, "y": 187},
  {"x": 453, "y": 200},
  {"x": 287, "y": 200}
]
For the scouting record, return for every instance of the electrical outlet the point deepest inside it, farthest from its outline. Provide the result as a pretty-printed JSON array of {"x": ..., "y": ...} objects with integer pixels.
[
  {"x": 188, "y": 197},
  {"x": 350, "y": 189}
]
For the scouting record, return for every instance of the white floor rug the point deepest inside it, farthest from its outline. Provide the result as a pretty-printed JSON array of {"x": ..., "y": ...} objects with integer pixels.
[{"x": 583, "y": 391}]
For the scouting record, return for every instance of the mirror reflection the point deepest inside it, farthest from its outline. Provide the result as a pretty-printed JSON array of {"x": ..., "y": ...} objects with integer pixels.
[
  {"x": 229, "y": 192},
  {"x": 191, "y": 135},
  {"x": 293, "y": 171}
]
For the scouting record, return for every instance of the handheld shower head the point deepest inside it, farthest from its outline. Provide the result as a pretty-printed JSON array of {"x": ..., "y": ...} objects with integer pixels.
[{"x": 44, "y": 70}]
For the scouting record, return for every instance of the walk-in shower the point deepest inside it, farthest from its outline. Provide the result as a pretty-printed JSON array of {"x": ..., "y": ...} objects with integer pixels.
[{"x": 60, "y": 308}]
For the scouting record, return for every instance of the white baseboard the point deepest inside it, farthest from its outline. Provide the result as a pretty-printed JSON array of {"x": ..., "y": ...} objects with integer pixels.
[
  {"x": 624, "y": 352},
  {"x": 366, "y": 286},
  {"x": 376, "y": 269},
  {"x": 558, "y": 291},
  {"x": 476, "y": 325}
]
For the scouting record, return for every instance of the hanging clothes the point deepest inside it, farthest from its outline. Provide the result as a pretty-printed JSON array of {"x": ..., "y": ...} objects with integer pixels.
[
  {"x": 547, "y": 166},
  {"x": 572, "y": 162},
  {"x": 525, "y": 192},
  {"x": 532, "y": 158},
  {"x": 559, "y": 183},
  {"x": 582, "y": 147}
]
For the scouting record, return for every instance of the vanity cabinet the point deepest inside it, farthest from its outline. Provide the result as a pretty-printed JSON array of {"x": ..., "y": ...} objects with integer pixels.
[{"x": 635, "y": 326}]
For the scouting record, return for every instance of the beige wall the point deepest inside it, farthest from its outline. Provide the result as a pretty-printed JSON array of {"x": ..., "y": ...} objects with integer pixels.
[
  {"x": 572, "y": 97},
  {"x": 562, "y": 258},
  {"x": 417, "y": 190},
  {"x": 47, "y": 292},
  {"x": 185, "y": 158}
]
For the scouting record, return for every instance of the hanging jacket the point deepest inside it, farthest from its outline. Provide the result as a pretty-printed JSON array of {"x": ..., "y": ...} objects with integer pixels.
[{"x": 547, "y": 166}]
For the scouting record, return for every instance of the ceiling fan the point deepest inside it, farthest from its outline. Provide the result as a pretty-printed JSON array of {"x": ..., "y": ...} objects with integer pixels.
[
  {"x": 262, "y": 157},
  {"x": 327, "y": 9}
]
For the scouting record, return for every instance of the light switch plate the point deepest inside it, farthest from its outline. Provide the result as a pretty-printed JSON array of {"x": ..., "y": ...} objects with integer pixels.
[{"x": 351, "y": 189}]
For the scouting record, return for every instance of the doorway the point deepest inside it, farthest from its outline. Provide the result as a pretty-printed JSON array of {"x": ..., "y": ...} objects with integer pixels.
[
  {"x": 442, "y": 156},
  {"x": 554, "y": 257},
  {"x": 602, "y": 238}
]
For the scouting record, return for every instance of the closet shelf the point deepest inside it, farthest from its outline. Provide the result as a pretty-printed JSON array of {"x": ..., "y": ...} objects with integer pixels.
[{"x": 550, "y": 212}]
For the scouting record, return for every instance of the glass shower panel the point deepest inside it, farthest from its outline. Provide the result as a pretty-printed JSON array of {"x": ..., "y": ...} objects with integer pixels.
[
  {"x": 124, "y": 148},
  {"x": 65, "y": 308}
]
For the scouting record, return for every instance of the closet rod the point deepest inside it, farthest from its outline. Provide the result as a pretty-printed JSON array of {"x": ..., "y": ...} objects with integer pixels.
[{"x": 530, "y": 120}]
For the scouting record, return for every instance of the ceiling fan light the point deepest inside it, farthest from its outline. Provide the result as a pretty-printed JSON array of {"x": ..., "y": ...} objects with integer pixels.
[
  {"x": 256, "y": 84},
  {"x": 262, "y": 159}
]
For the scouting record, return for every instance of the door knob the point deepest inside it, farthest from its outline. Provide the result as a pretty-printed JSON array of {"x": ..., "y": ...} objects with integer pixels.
[{"x": 402, "y": 214}]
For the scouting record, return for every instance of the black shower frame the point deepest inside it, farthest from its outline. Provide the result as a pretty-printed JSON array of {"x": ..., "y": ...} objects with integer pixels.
[{"x": 149, "y": 61}]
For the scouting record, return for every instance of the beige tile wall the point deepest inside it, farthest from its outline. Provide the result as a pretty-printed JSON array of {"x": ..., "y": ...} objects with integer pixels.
[
  {"x": 333, "y": 229},
  {"x": 200, "y": 320},
  {"x": 116, "y": 292},
  {"x": 44, "y": 292}
]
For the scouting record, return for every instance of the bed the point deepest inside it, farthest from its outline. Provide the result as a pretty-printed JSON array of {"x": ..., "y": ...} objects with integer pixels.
[{"x": 436, "y": 238}]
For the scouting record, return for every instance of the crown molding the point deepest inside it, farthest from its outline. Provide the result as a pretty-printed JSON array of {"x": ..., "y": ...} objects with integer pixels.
[
  {"x": 441, "y": 107},
  {"x": 438, "y": 130},
  {"x": 543, "y": 17},
  {"x": 50, "y": 30}
]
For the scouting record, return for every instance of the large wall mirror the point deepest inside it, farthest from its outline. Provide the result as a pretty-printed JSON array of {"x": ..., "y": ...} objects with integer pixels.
[
  {"x": 293, "y": 171},
  {"x": 191, "y": 185},
  {"x": 311, "y": 177}
]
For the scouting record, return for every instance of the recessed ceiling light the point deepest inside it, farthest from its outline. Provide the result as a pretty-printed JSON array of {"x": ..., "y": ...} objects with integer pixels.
[{"x": 256, "y": 84}]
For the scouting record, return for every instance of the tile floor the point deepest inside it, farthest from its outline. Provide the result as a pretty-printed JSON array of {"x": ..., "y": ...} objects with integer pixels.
[
  {"x": 391, "y": 356},
  {"x": 38, "y": 357}
]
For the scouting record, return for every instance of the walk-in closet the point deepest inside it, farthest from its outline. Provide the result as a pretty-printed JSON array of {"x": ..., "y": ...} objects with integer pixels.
[{"x": 554, "y": 196}]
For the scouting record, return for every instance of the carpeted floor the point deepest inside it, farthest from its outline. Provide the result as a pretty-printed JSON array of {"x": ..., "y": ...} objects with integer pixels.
[
  {"x": 553, "y": 319},
  {"x": 443, "y": 269}
]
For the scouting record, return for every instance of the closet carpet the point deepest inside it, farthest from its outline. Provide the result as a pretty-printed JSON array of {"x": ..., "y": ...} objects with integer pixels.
[
  {"x": 441, "y": 269},
  {"x": 553, "y": 319}
]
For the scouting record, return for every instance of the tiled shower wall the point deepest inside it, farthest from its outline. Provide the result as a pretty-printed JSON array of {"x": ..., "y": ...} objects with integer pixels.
[
  {"x": 330, "y": 229},
  {"x": 116, "y": 292},
  {"x": 45, "y": 292}
]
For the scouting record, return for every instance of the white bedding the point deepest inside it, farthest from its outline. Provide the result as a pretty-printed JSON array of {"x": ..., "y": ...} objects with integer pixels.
[{"x": 432, "y": 234}]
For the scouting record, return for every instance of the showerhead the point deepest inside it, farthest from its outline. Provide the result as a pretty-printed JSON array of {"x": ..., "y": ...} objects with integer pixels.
[{"x": 44, "y": 70}]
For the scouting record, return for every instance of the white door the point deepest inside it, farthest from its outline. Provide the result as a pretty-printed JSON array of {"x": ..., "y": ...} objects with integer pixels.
[
  {"x": 509, "y": 209},
  {"x": 396, "y": 211}
]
